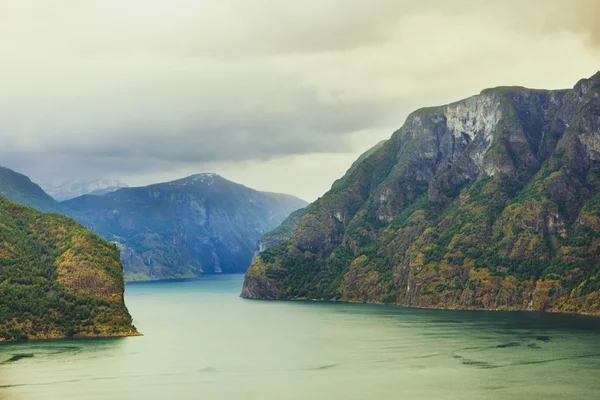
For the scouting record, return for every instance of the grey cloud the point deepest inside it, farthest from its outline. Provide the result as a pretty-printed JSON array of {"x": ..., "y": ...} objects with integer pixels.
[
  {"x": 234, "y": 28},
  {"x": 140, "y": 128},
  {"x": 137, "y": 88}
]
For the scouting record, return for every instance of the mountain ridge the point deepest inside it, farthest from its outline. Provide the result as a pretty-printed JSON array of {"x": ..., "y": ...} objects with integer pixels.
[
  {"x": 17, "y": 187},
  {"x": 423, "y": 220},
  {"x": 179, "y": 229}
]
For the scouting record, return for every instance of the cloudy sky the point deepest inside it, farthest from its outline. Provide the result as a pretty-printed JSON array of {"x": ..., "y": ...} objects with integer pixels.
[{"x": 278, "y": 95}]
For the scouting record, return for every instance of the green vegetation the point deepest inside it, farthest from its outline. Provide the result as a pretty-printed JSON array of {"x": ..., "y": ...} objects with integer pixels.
[
  {"x": 285, "y": 230},
  {"x": 504, "y": 217},
  {"x": 19, "y": 188},
  {"x": 57, "y": 279}
]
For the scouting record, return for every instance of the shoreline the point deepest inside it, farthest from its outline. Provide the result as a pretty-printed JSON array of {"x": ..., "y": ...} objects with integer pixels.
[
  {"x": 75, "y": 337},
  {"x": 586, "y": 314}
]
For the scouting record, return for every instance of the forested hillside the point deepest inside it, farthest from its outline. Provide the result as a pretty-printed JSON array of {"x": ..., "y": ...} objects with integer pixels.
[{"x": 57, "y": 279}]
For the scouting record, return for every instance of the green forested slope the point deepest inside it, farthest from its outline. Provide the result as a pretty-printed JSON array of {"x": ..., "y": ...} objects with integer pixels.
[
  {"x": 19, "y": 188},
  {"x": 57, "y": 279}
]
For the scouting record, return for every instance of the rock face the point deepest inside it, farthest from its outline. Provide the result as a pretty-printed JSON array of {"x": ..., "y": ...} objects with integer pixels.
[
  {"x": 19, "y": 188},
  {"x": 180, "y": 229},
  {"x": 492, "y": 202},
  {"x": 57, "y": 279},
  {"x": 280, "y": 234},
  {"x": 285, "y": 231}
]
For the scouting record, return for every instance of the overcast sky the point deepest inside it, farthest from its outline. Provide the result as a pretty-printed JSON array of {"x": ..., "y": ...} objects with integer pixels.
[{"x": 278, "y": 95}]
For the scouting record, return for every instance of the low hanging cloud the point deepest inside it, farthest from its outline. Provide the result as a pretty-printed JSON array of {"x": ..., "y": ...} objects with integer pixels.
[{"x": 142, "y": 89}]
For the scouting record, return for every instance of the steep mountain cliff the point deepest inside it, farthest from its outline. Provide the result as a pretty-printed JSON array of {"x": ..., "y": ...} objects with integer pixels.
[
  {"x": 280, "y": 234},
  {"x": 19, "y": 188},
  {"x": 492, "y": 202},
  {"x": 200, "y": 224},
  {"x": 57, "y": 279},
  {"x": 284, "y": 231}
]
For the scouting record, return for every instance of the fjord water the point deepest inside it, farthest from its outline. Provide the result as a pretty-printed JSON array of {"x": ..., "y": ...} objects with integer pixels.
[{"x": 204, "y": 342}]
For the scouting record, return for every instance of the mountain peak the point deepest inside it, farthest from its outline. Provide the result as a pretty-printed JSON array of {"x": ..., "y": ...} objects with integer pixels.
[
  {"x": 590, "y": 83},
  {"x": 200, "y": 179},
  {"x": 203, "y": 175}
]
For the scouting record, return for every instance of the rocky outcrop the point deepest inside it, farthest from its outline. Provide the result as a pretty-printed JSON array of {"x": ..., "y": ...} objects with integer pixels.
[{"x": 486, "y": 203}]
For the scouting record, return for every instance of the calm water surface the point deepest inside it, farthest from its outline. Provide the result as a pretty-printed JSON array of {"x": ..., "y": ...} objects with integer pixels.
[{"x": 203, "y": 342}]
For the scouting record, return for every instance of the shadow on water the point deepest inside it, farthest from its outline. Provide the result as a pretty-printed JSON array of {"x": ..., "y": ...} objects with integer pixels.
[
  {"x": 500, "y": 321},
  {"x": 17, "y": 357},
  {"x": 505, "y": 345},
  {"x": 18, "y": 352},
  {"x": 522, "y": 338}
]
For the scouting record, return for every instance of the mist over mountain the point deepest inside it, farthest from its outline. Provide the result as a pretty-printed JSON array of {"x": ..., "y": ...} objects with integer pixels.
[{"x": 66, "y": 190}]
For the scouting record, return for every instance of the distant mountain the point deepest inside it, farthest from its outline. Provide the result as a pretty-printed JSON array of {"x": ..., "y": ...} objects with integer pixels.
[
  {"x": 20, "y": 189},
  {"x": 57, "y": 279},
  {"x": 492, "y": 202},
  {"x": 200, "y": 224},
  {"x": 66, "y": 190}
]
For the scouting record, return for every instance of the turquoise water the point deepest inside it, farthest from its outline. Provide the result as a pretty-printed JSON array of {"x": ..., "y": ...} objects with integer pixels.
[{"x": 203, "y": 342}]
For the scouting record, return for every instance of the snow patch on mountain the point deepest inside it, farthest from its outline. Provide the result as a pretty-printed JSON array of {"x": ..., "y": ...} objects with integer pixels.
[{"x": 65, "y": 190}]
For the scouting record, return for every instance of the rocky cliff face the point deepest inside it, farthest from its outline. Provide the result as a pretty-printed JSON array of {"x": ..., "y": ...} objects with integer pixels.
[
  {"x": 57, "y": 279},
  {"x": 280, "y": 234},
  {"x": 180, "y": 229},
  {"x": 285, "y": 231},
  {"x": 487, "y": 203}
]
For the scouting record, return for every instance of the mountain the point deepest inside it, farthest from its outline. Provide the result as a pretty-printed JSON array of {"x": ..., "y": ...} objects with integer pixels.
[
  {"x": 19, "y": 188},
  {"x": 340, "y": 182},
  {"x": 199, "y": 224},
  {"x": 492, "y": 202},
  {"x": 66, "y": 190},
  {"x": 57, "y": 279},
  {"x": 284, "y": 231},
  {"x": 280, "y": 234}
]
